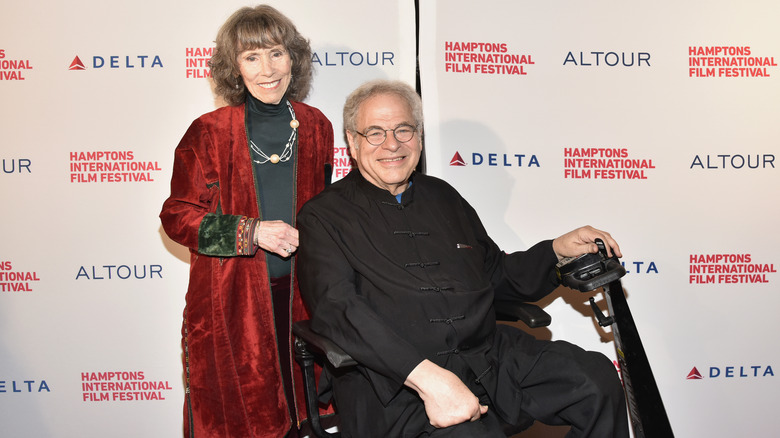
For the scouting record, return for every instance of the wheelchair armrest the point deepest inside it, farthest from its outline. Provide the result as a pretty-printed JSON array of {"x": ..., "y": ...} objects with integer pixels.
[
  {"x": 324, "y": 346},
  {"x": 532, "y": 315}
]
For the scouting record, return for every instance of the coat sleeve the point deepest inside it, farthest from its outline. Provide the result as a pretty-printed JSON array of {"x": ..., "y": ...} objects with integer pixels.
[
  {"x": 192, "y": 215},
  {"x": 340, "y": 313},
  {"x": 519, "y": 276}
]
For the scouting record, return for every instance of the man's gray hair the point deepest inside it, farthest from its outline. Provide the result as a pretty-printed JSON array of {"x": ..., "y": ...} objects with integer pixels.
[{"x": 377, "y": 87}]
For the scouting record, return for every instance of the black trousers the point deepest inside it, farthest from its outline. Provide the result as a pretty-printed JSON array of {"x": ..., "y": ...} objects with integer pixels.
[
  {"x": 556, "y": 383},
  {"x": 280, "y": 290}
]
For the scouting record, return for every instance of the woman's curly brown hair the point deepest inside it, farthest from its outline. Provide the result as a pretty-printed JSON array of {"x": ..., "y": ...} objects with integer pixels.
[{"x": 260, "y": 27}]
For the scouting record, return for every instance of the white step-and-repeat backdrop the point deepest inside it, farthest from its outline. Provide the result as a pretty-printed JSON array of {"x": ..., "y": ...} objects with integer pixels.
[
  {"x": 655, "y": 122},
  {"x": 95, "y": 97}
]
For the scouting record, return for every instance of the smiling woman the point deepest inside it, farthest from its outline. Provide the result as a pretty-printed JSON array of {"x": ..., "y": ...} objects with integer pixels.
[
  {"x": 240, "y": 173},
  {"x": 266, "y": 73},
  {"x": 259, "y": 28}
]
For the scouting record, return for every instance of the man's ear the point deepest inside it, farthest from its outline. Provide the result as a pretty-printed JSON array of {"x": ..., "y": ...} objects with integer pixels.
[{"x": 352, "y": 141}]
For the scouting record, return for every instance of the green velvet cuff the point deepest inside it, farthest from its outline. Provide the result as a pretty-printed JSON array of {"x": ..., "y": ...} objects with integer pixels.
[{"x": 218, "y": 234}]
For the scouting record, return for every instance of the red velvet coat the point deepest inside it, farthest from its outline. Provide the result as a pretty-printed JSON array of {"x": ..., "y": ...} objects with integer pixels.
[{"x": 231, "y": 359}]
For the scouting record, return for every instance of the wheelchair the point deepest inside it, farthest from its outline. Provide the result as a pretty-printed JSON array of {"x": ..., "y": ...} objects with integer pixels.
[
  {"x": 585, "y": 273},
  {"x": 311, "y": 347}
]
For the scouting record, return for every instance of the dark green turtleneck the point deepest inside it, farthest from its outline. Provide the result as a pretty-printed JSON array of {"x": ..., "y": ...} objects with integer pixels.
[{"x": 268, "y": 126}]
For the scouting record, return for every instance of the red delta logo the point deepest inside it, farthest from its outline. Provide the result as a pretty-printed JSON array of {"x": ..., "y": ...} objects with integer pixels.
[
  {"x": 457, "y": 160},
  {"x": 694, "y": 375},
  {"x": 733, "y": 371},
  {"x": 76, "y": 64}
]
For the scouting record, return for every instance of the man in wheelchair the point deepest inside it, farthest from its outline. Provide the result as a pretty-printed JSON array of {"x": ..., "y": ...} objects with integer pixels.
[{"x": 400, "y": 273}]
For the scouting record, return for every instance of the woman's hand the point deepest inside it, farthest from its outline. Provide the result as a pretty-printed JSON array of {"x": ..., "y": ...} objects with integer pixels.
[{"x": 277, "y": 237}]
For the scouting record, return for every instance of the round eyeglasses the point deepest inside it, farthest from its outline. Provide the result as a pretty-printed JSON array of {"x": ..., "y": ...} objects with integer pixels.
[{"x": 376, "y": 136}]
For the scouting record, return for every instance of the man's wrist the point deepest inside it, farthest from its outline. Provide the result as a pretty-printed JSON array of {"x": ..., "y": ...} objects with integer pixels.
[{"x": 420, "y": 374}]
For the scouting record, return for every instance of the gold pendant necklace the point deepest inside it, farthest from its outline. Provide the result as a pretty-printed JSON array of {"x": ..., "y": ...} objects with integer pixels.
[{"x": 286, "y": 152}]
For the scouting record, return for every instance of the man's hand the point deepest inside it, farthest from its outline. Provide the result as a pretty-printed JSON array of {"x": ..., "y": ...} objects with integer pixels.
[
  {"x": 447, "y": 400},
  {"x": 582, "y": 240}
]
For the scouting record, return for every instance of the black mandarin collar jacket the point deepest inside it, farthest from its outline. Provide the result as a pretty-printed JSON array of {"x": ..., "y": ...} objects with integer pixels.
[{"x": 396, "y": 283}]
